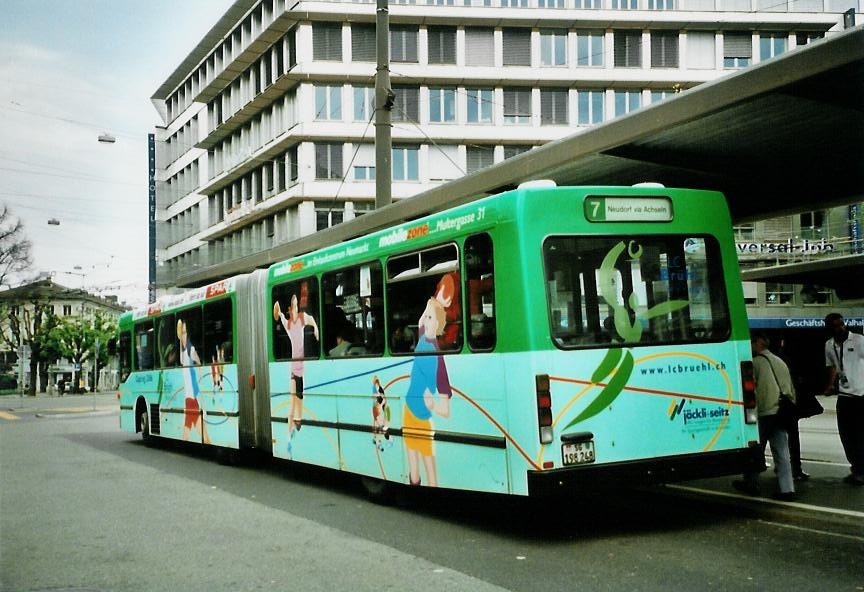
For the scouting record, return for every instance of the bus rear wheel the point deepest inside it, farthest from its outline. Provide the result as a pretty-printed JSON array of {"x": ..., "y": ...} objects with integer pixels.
[{"x": 377, "y": 490}]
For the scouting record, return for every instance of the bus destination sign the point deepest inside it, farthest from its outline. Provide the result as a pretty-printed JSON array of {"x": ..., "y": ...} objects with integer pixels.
[{"x": 604, "y": 208}]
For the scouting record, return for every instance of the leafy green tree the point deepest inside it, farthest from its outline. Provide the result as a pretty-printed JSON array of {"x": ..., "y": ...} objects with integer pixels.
[
  {"x": 27, "y": 323},
  {"x": 76, "y": 341}
]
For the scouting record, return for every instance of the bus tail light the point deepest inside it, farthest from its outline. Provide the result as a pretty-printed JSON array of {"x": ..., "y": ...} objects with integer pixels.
[
  {"x": 544, "y": 408},
  {"x": 748, "y": 387}
]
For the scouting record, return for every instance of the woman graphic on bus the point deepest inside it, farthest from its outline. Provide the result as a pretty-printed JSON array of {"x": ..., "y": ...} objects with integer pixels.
[
  {"x": 193, "y": 415},
  {"x": 428, "y": 377},
  {"x": 294, "y": 324}
]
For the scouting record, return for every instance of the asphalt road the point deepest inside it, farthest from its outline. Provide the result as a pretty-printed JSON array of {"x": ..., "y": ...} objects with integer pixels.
[{"x": 84, "y": 506}]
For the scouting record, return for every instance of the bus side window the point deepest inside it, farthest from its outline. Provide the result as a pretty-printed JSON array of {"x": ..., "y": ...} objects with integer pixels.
[
  {"x": 167, "y": 348},
  {"x": 295, "y": 320},
  {"x": 144, "y": 345},
  {"x": 353, "y": 321},
  {"x": 420, "y": 283},
  {"x": 125, "y": 355},
  {"x": 189, "y": 323},
  {"x": 479, "y": 280},
  {"x": 218, "y": 347}
]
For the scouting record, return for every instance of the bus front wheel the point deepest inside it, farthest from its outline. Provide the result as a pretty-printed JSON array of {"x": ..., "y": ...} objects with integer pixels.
[{"x": 144, "y": 425}]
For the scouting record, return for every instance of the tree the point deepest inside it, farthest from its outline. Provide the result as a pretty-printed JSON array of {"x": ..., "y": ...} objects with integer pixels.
[
  {"x": 14, "y": 246},
  {"x": 76, "y": 340},
  {"x": 28, "y": 323}
]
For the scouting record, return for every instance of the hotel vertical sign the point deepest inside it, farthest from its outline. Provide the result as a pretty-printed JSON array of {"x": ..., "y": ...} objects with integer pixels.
[{"x": 151, "y": 214}]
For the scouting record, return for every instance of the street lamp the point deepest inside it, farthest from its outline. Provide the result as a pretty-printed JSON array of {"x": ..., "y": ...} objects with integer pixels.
[{"x": 107, "y": 138}]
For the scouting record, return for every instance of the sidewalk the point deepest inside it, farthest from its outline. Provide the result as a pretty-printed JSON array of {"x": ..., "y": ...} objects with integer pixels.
[
  {"x": 824, "y": 497},
  {"x": 44, "y": 404}
]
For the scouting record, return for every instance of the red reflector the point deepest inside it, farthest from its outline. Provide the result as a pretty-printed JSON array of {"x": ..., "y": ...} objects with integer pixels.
[
  {"x": 544, "y": 417},
  {"x": 544, "y": 400},
  {"x": 548, "y": 465}
]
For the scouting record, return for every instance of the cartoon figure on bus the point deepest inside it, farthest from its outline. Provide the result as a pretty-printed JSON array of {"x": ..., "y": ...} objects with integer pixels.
[
  {"x": 216, "y": 370},
  {"x": 194, "y": 416},
  {"x": 428, "y": 378},
  {"x": 294, "y": 324},
  {"x": 380, "y": 415}
]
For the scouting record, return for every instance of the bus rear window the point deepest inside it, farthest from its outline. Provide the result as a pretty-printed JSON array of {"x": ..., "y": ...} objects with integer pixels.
[{"x": 638, "y": 290}]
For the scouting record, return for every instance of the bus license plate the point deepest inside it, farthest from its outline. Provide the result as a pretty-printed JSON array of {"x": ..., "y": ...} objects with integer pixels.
[{"x": 578, "y": 453}]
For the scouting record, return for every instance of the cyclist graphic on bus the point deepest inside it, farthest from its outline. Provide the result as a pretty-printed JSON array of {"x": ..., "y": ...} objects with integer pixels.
[{"x": 428, "y": 377}]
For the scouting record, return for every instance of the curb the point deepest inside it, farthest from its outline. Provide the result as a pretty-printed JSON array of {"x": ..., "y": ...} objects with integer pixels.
[
  {"x": 76, "y": 414},
  {"x": 840, "y": 521}
]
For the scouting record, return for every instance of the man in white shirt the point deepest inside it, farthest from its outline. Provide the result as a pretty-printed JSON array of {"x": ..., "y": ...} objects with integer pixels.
[{"x": 844, "y": 357}]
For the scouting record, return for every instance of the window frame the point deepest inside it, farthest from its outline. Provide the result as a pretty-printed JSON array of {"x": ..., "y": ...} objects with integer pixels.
[
  {"x": 317, "y": 316},
  {"x": 325, "y": 322},
  {"x": 721, "y": 281},
  {"x": 388, "y": 282}
]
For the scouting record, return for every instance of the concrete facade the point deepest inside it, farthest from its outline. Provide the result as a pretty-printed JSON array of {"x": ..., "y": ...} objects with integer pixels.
[{"x": 267, "y": 133}]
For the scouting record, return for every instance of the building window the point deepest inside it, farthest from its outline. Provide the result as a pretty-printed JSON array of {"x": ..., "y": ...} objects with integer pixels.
[
  {"x": 67, "y": 310},
  {"x": 771, "y": 45},
  {"x": 405, "y": 163},
  {"x": 328, "y": 161},
  {"x": 553, "y": 106},
  {"x": 441, "y": 2},
  {"x": 364, "y": 173},
  {"x": 802, "y": 39},
  {"x": 661, "y": 5},
  {"x": 363, "y": 47},
  {"x": 517, "y": 106},
  {"x": 551, "y": 4},
  {"x": 812, "y": 225},
  {"x": 700, "y": 50},
  {"x": 516, "y": 47},
  {"x": 779, "y": 294},
  {"x": 514, "y": 3},
  {"x": 553, "y": 47},
  {"x": 628, "y": 49},
  {"x": 480, "y": 157},
  {"x": 442, "y": 105},
  {"x": 590, "y": 106},
  {"x": 625, "y": 4},
  {"x": 589, "y": 48},
  {"x": 588, "y": 4},
  {"x": 479, "y": 47},
  {"x": 364, "y": 103},
  {"x": 512, "y": 150},
  {"x": 737, "y": 50},
  {"x": 745, "y": 232},
  {"x": 403, "y": 43},
  {"x": 327, "y": 218},
  {"x": 480, "y": 101},
  {"x": 627, "y": 101},
  {"x": 406, "y": 105},
  {"x": 328, "y": 103},
  {"x": 659, "y": 95},
  {"x": 664, "y": 50},
  {"x": 442, "y": 45},
  {"x": 327, "y": 42}
]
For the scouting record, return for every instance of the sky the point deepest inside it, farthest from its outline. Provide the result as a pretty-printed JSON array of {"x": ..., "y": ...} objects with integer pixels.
[{"x": 71, "y": 70}]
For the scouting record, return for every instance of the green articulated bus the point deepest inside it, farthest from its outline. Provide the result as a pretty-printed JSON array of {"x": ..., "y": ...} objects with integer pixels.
[{"x": 547, "y": 339}]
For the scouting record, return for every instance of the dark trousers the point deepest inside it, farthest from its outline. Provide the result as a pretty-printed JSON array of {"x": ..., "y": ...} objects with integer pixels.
[
  {"x": 850, "y": 424},
  {"x": 794, "y": 447}
]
